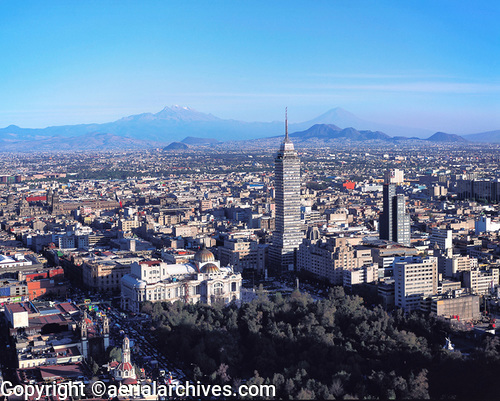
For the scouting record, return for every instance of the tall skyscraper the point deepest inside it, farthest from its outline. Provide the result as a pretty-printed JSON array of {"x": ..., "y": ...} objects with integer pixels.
[
  {"x": 394, "y": 221},
  {"x": 288, "y": 234}
]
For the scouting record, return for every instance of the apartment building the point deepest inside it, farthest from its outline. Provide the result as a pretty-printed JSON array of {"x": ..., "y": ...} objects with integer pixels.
[{"x": 415, "y": 279}]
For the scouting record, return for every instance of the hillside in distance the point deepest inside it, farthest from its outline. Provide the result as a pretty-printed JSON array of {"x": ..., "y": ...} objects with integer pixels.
[
  {"x": 176, "y": 146},
  {"x": 191, "y": 140},
  {"x": 487, "y": 137},
  {"x": 176, "y": 122},
  {"x": 92, "y": 141},
  {"x": 331, "y": 132},
  {"x": 345, "y": 119},
  {"x": 171, "y": 124},
  {"x": 444, "y": 137}
]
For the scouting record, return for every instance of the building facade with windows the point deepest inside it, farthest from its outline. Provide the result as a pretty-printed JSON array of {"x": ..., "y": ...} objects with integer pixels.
[
  {"x": 394, "y": 221},
  {"x": 243, "y": 254},
  {"x": 328, "y": 259},
  {"x": 202, "y": 280},
  {"x": 481, "y": 282},
  {"x": 288, "y": 233},
  {"x": 415, "y": 278}
]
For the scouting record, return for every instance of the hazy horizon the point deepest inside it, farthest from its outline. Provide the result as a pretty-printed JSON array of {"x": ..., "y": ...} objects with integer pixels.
[{"x": 419, "y": 64}]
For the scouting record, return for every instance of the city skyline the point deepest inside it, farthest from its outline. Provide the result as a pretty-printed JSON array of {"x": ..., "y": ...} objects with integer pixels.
[
  {"x": 417, "y": 64},
  {"x": 171, "y": 254}
]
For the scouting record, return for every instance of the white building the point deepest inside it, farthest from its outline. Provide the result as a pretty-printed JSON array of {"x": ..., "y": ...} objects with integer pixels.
[
  {"x": 202, "y": 280},
  {"x": 415, "y": 279},
  {"x": 481, "y": 282},
  {"x": 441, "y": 239},
  {"x": 393, "y": 176},
  {"x": 17, "y": 261},
  {"x": 484, "y": 225},
  {"x": 366, "y": 274},
  {"x": 456, "y": 264}
]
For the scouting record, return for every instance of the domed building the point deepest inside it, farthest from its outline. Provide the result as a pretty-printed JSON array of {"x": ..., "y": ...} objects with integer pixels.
[
  {"x": 205, "y": 262},
  {"x": 210, "y": 268},
  {"x": 204, "y": 256},
  {"x": 200, "y": 280}
]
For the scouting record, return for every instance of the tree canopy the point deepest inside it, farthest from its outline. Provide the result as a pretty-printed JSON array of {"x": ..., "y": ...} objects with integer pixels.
[{"x": 333, "y": 348}]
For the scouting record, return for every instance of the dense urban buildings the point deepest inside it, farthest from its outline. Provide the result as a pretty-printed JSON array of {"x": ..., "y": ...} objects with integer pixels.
[
  {"x": 329, "y": 258},
  {"x": 208, "y": 226}
]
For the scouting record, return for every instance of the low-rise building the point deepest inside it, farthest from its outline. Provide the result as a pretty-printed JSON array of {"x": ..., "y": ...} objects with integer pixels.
[
  {"x": 52, "y": 334},
  {"x": 17, "y": 260},
  {"x": 465, "y": 307},
  {"x": 105, "y": 273}
]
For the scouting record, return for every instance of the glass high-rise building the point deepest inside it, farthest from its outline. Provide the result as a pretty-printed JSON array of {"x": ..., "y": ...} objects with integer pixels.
[
  {"x": 394, "y": 221},
  {"x": 288, "y": 234}
]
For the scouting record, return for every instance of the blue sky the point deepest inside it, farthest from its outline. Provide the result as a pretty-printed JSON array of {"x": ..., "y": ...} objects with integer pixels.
[{"x": 430, "y": 64}]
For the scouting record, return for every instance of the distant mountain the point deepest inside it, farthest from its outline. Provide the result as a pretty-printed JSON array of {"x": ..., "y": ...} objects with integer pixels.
[
  {"x": 344, "y": 119},
  {"x": 176, "y": 146},
  {"x": 318, "y": 131},
  {"x": 444, "y": 137},
  {"x": 190, "y": 140},
  {"x": 488, "y": 137},
  {"x": 176, "y": 122},
  {"x": 179, "y": 113},
  {"x": 338, "y": 116},
  {"x": 92, "y": 141},
  {"x": 332, "y": 132},
  {"x": 168, "y": 125}
]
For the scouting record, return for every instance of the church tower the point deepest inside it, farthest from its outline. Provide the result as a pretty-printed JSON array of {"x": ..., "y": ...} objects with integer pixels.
[
  {"x": 48, "y": 201},
  {"x": 105, "y": 332},
  {"x": 125, "y": 370},
  {"x": 84, "y": 335},
  {"x": 126, "y": 350}
]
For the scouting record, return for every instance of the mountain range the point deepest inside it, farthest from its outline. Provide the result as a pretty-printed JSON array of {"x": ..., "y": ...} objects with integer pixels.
[
  {"x": 328, "y": 134},
  {"x": 332, "y": 132},
  {"x": 173, "y": 123}
]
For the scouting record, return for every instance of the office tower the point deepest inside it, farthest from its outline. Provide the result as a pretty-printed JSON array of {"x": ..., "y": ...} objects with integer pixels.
[
  {"x": 415, "y": 279},
  {"x": 288, "y": 234},
  {"x": 394, "y": 176},
  {"x": 394, "y": 221}
]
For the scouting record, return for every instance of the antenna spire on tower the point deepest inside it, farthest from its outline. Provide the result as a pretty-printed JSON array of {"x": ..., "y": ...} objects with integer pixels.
[{"x": 286, "y": 124}]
